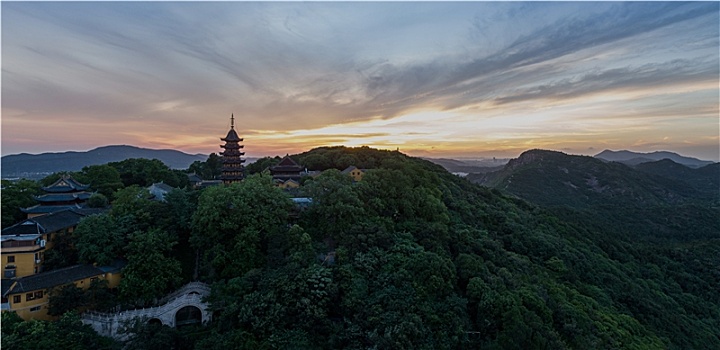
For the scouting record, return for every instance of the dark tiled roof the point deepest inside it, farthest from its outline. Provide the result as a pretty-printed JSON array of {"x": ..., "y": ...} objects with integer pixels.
[
  {"x": 116, "y": 266},
  {"x": 44, "y": 209},
  {"x": 27, "y": 227},
  {"x": 194, "y": 178},
  {"x": 163, "y": 186},
  {"x": 232, "y": 136},
  {"x": 208, "y": 183},
  {"x": 286, "y": 165},
  {"x": 287, "y": 161},
  {"x": 6, "y": 284},
  {"x": 47, "y": 223},
  {"x": 89, "y": 211},
  {"x": 65, "y": 184},
  {"x": 63, "y": 197},
  {"x": 54, "y": 278},
  {"x": 349, "y": 169}
]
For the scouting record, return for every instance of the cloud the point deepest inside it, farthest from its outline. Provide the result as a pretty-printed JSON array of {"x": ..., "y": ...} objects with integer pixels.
[
  {"x": 304, "y": 66},
  {"x": 648, "y": 76}
]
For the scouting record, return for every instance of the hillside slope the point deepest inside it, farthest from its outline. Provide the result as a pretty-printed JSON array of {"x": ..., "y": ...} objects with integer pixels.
[{"x": 557, "y": 179}]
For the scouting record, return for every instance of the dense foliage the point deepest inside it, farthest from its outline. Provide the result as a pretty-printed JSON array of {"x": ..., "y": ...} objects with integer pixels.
[
  {"x": 414, "y": 257},
  {"x": 68, "y": 333},
  {"x": 16, "y": 195}
]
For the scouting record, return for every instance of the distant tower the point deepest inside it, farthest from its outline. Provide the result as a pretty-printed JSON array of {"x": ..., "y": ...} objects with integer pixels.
[{"x": 232, "y": 168}]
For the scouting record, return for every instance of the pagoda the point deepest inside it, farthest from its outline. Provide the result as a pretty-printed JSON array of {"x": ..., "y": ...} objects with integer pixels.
[
  {"x": 65, "y": 193},
  {"x": 232, "y": 163}
]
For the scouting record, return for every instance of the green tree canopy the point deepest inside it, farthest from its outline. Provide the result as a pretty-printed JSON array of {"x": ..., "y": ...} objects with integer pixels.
[
  {"x": 151, "y": 271},
  {"x": 232, "y": 223},
  {"x": 16, "y": 195}
]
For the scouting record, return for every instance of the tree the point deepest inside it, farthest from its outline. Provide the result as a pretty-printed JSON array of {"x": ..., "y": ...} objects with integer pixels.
[
  {"x": 63, "y": 253},
  {"x": 150, "y": 336},
  {"x": 145, "y": 172},
  {"x": 66, "y": 298},
  {"x": 262, "y": 164},
  {"x": 105, "y": 179},
  {"x": 99, "y": 239},
  {"x": 336, "y": 206},
  {"x": 151, "y": 271},
  {"x": 232, "y": 224},
  {"x": 97, "y": 200},
  {"x": 134, "y": 210},
  {"x": 209, "y": 169},
  {"x": 16, "y": 195},
  {"x": 67, "y": 333}
]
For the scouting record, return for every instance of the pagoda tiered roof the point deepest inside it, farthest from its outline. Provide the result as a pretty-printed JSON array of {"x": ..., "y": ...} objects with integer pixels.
[
  {"x": 232, "y": 169},
  {"x": 65, "y": 193},
  {"x": 232, "y": 136}
]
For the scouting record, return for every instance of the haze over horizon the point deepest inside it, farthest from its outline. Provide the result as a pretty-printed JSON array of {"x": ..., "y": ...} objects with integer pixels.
[{"x": 454, "y": 80}]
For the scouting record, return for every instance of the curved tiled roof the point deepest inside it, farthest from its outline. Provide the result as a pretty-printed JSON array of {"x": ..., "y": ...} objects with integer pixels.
[
  {"x": 47, "y": 223},
  {"x": 65, "y": 184},
  {"x": 44, "y": 209},
  {"x": 63, "y": 197},
  {"x": 232, "y": 136}
]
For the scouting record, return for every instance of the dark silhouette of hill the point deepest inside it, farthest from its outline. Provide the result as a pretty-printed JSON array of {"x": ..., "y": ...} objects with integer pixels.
[
  {"x": 24, "y": 164},
  {"x": 635, "y": 158},
  {"x": 706, "y": 180},
  {"x": 554, "y": 178}
]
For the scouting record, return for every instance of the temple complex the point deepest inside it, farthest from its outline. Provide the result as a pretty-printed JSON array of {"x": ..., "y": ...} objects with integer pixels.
[
  {"x": 65, "y": 193},
  {"x": 232, "y": 162},
  {"x": 286, "y": 170}
]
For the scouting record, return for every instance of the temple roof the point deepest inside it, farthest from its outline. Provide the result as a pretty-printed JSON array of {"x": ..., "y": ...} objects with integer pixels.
[
  {"x": 232, "y": 136},
  {"x": 286, "y": 164},
  {"x": 6, "y": 285},
  {"x": 65, "y": 184},
  {"x": 47, "y": 223},
  {"x": 54, "y": 278},
  {"x": 351, "y": 168},
  {"x": 44, "y": 209},
  {"x": 63, "y": 197}
]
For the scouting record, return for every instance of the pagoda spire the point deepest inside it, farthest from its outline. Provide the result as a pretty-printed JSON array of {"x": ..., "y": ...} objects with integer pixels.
[{"x": 232, "y": 120}]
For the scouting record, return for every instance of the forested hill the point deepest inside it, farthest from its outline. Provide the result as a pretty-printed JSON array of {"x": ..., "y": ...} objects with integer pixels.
[
  {"x": 555, "y": 179},
  {"x": 427, "y": 260},
  {"x": 410, "y": 257}
]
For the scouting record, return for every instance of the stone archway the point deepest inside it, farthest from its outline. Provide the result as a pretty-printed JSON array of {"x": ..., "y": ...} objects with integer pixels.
[
  {"x": 154, "y": 321},
  {"x": 188, "y": 315}
]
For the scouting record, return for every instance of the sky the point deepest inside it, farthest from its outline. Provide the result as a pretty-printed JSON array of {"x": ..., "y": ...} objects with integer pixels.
[{"x": 433, "y": 79}]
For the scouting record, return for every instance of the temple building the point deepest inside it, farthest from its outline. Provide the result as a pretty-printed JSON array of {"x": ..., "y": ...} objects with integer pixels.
[
  {"x": 65, "y": 193},
  {"x": 287, "y": 173},
  {"x": 232, "y": 162}
]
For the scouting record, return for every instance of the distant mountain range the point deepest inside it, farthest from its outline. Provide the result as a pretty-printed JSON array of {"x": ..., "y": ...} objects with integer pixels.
[
  {"x": 34, "y": 165},
  {"x": 635, "y": 158},
  {"x": 556, "y": 179}
]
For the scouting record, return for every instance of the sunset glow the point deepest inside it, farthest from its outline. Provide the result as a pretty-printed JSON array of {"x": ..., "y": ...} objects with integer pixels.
[{"x": 462, "y": 79}]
